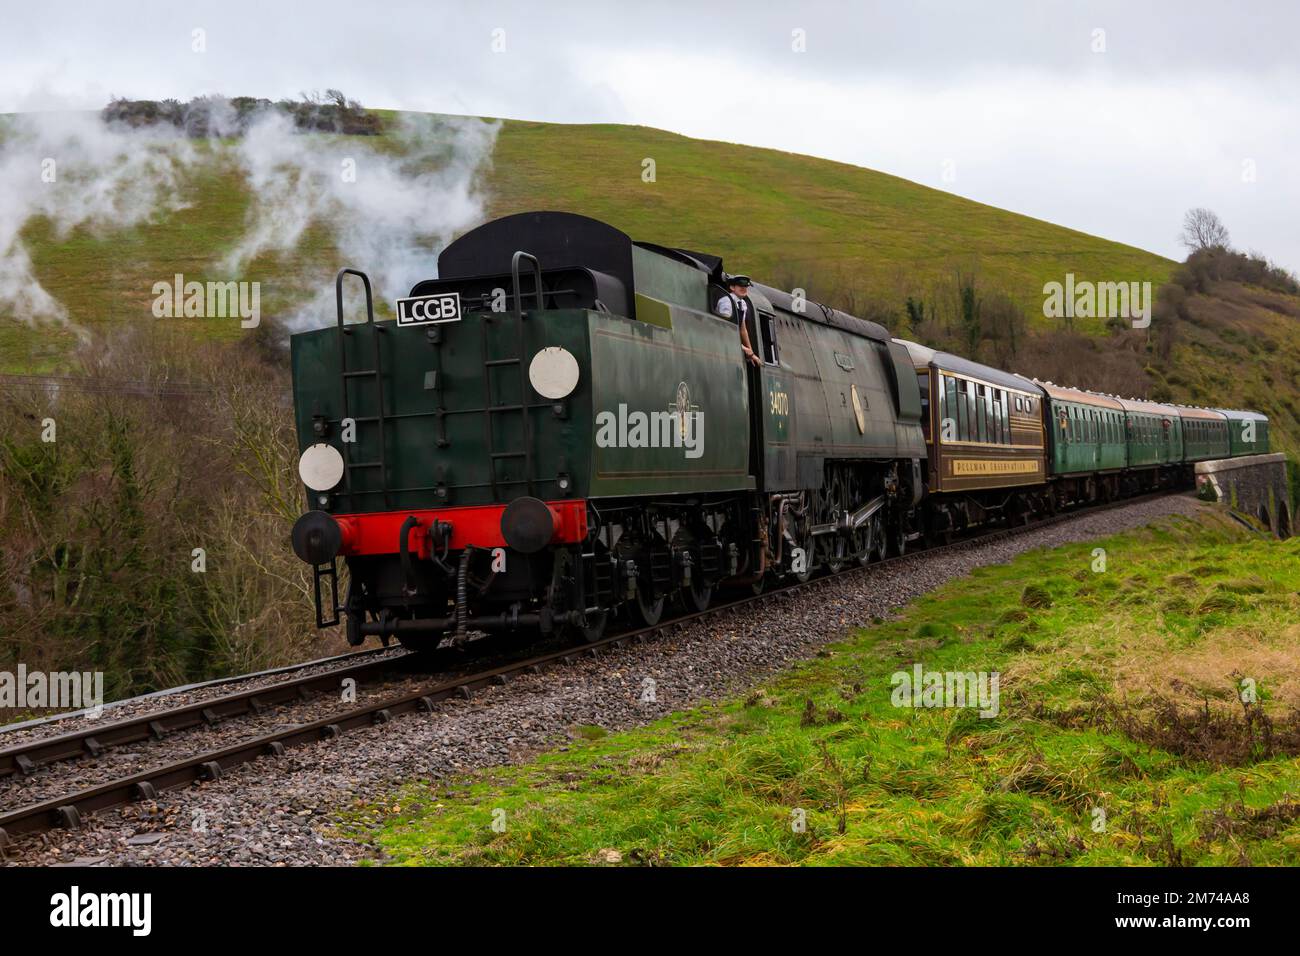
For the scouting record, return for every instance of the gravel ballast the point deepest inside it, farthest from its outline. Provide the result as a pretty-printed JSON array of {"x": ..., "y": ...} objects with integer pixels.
[{"x": 278, "y": 811}]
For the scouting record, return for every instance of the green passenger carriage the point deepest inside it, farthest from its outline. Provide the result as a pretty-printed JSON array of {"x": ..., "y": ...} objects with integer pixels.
[{"x": 1247, "y": 432}]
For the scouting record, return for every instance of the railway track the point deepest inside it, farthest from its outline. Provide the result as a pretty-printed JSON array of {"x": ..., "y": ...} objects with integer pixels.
[
  {"x": 93, "y": 740},
  {"x": 68, "y": 810}
]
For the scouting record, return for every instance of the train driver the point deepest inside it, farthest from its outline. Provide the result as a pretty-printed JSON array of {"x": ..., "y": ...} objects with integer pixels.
[{"x": 736, "y": 304}]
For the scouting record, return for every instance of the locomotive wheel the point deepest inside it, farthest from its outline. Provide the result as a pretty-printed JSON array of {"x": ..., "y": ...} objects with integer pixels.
[
  {"x": 836, "y": 553},
  {"x": 647, "y": 613},
  {"x": 862, "y": 546},
  {"x": 899, "y": 535},
  {"x": 593, "y": 630},
  {"x": 698, "y": 595},
  {"x": 878, "y": 542},
  {"x": 834, "y": 549}
]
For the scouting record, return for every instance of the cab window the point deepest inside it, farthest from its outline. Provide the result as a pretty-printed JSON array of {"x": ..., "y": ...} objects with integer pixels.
[{"x": 768, "y": 325}]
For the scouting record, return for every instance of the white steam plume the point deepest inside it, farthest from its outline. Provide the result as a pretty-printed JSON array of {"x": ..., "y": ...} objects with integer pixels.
[
  {"x": 76, "y": 171},
  {"x": 390, "y": 214}
]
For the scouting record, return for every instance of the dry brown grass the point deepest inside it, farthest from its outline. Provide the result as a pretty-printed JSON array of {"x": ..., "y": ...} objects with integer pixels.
[{"x": 1213, "y": 667}]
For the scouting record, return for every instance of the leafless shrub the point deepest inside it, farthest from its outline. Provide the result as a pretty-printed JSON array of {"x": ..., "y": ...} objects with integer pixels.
[
  {"x": 163, "y": 448},
  {"x": 1202, "y": 229}
]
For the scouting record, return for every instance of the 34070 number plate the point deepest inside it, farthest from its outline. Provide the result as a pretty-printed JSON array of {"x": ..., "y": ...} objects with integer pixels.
[{"x": 425, "y": 309}]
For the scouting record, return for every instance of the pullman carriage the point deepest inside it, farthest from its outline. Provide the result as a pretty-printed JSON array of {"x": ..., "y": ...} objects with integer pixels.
[{"x": 984, "y": 437}]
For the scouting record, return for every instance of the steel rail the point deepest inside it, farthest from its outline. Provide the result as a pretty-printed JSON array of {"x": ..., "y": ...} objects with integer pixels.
[{"x": 92, "y": 740}]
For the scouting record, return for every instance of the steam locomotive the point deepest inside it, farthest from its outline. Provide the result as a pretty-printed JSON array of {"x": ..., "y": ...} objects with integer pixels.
[{"x": 558, "y": 432}]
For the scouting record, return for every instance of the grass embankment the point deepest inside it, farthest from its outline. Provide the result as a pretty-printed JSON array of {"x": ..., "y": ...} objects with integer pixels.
[{"x": 1119, "y": 695}]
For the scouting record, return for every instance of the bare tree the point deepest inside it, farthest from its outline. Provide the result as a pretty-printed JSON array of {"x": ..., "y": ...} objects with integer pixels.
[{"x": 1202, "y": 229}]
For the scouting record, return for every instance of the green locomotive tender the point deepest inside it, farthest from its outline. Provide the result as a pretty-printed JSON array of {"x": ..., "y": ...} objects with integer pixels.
[{"x": 559, "y": 431}]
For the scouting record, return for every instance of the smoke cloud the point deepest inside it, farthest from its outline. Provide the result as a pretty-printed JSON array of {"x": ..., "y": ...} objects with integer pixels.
[{"x": 389, "y": 211}]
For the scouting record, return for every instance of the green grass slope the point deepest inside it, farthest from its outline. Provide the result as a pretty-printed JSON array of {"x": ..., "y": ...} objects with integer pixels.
[{"x": 796, "y": 218}]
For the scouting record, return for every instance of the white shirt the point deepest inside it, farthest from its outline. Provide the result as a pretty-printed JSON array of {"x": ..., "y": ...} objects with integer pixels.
[{"x": 725, "y": 308}]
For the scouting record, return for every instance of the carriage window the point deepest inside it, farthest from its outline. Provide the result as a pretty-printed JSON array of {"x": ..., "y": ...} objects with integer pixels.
[
  {"x": 923, "y": 380},
  {"x": 963, "y": 411},
  {"x": 972, "y": 419},
  {"x": 950, "y": 389}
]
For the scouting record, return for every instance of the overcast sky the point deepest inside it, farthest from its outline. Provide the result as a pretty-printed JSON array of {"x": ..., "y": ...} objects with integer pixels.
[{"x": 1112, "y": 118}]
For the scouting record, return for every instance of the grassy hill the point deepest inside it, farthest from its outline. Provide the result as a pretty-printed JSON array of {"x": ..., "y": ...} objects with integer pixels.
[
  {"x": 1239, "y": 343},
  {"x": 792, "y": 219},
  {"x": 783, "y": 215}
]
